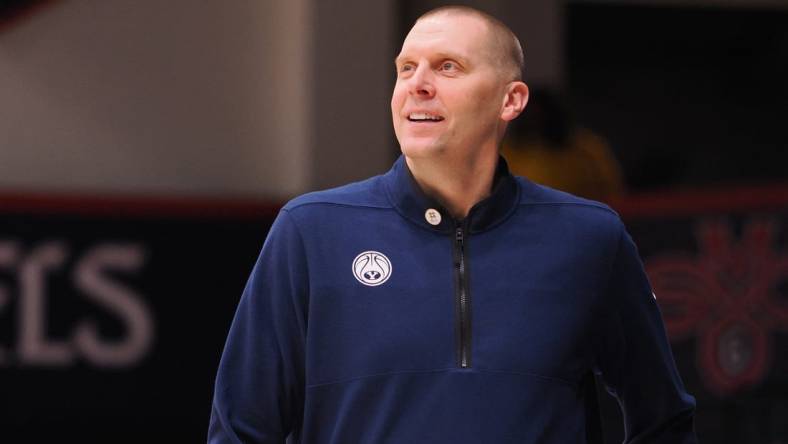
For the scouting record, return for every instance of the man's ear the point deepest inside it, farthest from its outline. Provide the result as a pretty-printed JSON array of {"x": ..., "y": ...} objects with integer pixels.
[{"x": 515, "y": 100}]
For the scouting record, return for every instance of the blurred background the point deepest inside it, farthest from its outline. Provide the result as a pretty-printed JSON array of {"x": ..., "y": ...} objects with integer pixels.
[{"x": 145, "y": 148}]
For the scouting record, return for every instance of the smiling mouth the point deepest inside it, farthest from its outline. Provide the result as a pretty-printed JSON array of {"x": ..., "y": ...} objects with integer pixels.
[{"x": 424, "y": 117}]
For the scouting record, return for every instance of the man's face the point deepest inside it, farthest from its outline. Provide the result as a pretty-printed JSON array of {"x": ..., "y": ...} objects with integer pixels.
[{"x": 448, "y": 96}]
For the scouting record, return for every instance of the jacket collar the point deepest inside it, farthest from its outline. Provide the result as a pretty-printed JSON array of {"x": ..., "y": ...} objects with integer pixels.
[{"x": 411, "y": 202}]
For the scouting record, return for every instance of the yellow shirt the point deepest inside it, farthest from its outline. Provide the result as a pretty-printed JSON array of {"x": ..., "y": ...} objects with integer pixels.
[{"x": 586, "y": 167}]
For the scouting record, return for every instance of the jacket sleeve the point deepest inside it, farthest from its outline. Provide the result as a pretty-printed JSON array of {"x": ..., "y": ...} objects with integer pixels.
[
  {"x": 259, "y": 388},
  {"x": 634, "y": 359}
]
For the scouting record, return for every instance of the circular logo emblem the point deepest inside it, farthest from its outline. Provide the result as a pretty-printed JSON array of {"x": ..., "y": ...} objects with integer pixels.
[{"x": 372, "y": 268}]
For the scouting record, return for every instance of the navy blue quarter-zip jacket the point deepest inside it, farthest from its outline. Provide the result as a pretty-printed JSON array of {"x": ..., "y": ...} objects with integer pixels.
[{"x": 371, "y": 316}]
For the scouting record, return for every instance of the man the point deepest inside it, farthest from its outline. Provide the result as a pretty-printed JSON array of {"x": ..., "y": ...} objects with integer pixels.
[{"x": 446, "y": 301}]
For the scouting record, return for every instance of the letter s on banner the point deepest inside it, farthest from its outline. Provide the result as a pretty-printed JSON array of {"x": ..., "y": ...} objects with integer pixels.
[{"x": 121, "y": 301}]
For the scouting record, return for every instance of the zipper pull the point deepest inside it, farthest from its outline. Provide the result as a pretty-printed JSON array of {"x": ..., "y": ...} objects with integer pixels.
[{"x": 459, "y": 236}]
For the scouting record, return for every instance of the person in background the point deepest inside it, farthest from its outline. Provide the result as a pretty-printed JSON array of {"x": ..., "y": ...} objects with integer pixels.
[{"x": 548, "y": 148}]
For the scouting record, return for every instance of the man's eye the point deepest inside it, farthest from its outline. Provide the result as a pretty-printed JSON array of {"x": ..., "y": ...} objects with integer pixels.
[
  {"x": 406, "y": 67},
  {"x": 448, "y": 66}
]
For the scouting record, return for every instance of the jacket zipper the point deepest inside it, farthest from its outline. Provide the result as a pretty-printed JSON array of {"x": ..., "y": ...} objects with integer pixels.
[{"x": 462, "y": 301}]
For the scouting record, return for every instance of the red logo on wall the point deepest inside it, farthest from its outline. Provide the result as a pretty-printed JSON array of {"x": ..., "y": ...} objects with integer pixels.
[{"x": 731, "y": 296}]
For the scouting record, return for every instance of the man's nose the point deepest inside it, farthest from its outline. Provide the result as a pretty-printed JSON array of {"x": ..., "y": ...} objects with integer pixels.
[{"x": 421, "y": 83}]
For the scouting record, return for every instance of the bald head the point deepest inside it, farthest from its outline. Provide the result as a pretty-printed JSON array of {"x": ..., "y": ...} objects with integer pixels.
[{"x": 505, "y": 49}]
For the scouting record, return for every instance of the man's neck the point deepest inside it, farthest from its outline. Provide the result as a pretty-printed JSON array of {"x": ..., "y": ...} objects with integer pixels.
[{"x": 457, "y": 185}]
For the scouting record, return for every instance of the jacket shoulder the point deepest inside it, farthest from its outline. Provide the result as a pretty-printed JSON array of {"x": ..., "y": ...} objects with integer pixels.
[
  {"x": 587, "y": 211},
  {"x": 368, "y": 193}
]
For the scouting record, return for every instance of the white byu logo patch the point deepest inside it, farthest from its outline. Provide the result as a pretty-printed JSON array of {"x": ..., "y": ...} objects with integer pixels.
[{"x": 372, "y": 268}]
